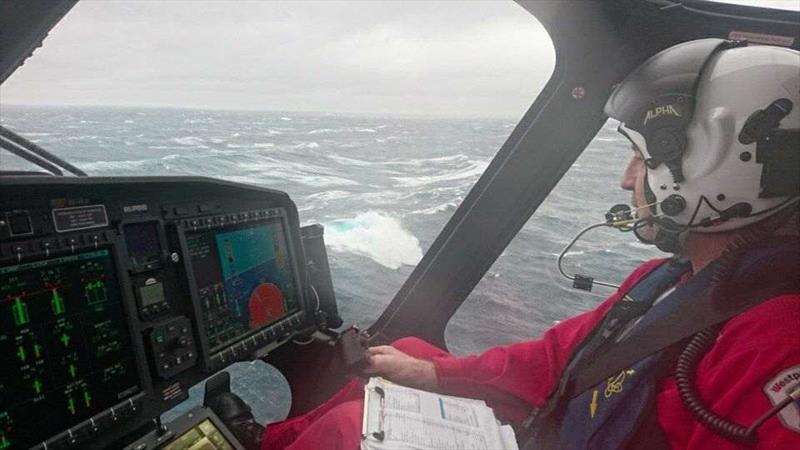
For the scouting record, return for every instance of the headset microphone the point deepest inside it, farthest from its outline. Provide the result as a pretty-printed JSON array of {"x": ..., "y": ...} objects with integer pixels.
[{"x": 619, "y": 216}]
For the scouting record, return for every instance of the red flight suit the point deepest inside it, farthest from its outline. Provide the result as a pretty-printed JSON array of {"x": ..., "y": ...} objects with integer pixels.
[{"x": 732, "y": 378}]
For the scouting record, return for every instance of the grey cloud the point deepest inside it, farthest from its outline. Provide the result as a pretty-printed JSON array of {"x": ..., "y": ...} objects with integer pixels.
[{"x": 454, "y": 58}]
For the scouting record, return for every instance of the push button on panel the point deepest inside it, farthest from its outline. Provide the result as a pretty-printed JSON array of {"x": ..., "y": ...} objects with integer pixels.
[{"x": 19, "y": 223}]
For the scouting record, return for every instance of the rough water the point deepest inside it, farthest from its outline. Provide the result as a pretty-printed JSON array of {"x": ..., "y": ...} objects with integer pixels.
[{"x": 383, "y": 187}]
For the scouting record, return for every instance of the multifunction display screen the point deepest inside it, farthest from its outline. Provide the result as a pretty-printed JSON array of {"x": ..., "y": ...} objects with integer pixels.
[
  {"x": 245, "y": 279},
  {"x": 65, "y": 351}
]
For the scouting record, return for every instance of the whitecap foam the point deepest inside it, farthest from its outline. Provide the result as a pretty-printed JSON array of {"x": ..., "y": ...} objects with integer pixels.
[
  {"x": 166, "y": 147},
  {"x": 420, "y": 162},
  {"x": 323, "y": 130},
  {"x": 341, "y": 130},
  {"x": 89, "y": 137},
  {"x": 349, "y": 161},
  {"x": 128, "y": 121},
  {"x": 377, "y": 236},
  {"x": 112, "y": 166},
  {"x": 189, "y": 141},
  {"x": 474, "y": 170},
  {"x": 256, "y": 145},
  {"x": 304, "y": 173},
  {"x": 286, "y": 118},
  {"x": 449, "y": 206},
  {"x": 328, "y": 195}
]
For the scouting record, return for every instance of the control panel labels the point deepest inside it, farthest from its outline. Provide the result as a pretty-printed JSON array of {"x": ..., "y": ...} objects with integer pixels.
[
  {"x": 79, "y": 218},
  {"x": 172, "y": 392}
]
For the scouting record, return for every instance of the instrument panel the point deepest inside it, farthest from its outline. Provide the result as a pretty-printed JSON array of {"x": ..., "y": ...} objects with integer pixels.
[{"x": 118, "y": 294}]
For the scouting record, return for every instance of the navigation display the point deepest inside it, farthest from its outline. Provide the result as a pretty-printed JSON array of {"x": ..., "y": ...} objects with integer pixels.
[
  {"x": 245, "y": 279},
  {"x": 65, "y": 350}
]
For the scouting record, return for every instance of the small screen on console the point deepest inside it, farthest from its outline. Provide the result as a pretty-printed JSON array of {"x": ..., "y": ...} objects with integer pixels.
[
  {"x": 245, "y": 279},
  {"x": 203, "y": 436},
  {"x": 65, "y": 349}
]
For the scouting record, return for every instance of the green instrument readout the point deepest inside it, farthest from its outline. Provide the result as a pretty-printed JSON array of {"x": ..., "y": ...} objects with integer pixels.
[
  {"x": 203, "y": 436},
  {"x": 64, "y": 346}
]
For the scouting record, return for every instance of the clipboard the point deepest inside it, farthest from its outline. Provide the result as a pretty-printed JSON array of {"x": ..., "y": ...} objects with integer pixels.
[{"x": 398, "y": 417}]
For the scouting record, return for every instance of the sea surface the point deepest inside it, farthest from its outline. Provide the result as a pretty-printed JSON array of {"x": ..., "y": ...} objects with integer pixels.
[{"x": 383, "y": 187}]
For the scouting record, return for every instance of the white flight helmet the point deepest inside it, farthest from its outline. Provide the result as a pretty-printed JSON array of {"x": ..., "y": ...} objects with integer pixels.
[{"x": 718, "y": 124}]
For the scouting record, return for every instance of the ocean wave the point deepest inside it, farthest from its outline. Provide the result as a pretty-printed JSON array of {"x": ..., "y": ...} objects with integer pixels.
[
  {"x": 473, "y": 171},
  {"x": 448, "y": 206},
  {"x": 113, "y": 166},
  {"x": 89, "y": 137},
  {"x": 376, "y": 236},
  {"x": 420, "y": 162},
  {"x": 347, "y": 161},
  {"x": 193, "y": 141},
  {"x": 166, "y": 147},
  {"x": 299, "y": 172},
  {"x": 341, "y": 130},
  {"x": 329, "y": 195},
  {"x": 255, "y": 145},
  {"x": 323, "y": 130},
  {"x": 223, "y": 152}
]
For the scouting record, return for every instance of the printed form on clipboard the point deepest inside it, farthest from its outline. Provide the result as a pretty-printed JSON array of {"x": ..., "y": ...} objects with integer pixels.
[{"x": 398, "y": 417}]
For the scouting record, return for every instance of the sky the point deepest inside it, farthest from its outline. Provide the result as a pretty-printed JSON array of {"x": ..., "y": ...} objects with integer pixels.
[
  {"x": 485, "y": 58},
  {"x": 454, "y": 58}
]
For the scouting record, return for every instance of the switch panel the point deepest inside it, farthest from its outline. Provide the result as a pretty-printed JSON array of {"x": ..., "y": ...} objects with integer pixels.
[{"x": 173, "y": 347}]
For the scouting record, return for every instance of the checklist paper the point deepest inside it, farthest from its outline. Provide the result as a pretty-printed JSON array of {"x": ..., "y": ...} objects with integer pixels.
[{"x": 397, "y": 417}]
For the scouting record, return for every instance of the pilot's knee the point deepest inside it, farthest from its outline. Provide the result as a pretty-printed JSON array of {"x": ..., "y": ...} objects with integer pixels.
[
  {"x": 339, "y": 429},
  {"x": 418, "y": 348}
]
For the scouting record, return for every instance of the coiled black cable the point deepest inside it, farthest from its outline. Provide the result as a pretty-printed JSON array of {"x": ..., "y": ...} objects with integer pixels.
[{"x": 685, "y": 377}]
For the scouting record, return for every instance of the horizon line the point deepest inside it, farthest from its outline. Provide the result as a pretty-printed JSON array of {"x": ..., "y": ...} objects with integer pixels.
[{"x": 450, "y": 116}]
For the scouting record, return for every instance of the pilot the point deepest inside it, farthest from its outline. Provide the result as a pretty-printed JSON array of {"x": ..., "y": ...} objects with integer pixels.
[{"x": 715, "y": 179}]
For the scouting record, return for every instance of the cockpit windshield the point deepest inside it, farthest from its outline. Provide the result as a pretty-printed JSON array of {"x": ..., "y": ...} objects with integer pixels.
[{"x": 377, "y": 120}]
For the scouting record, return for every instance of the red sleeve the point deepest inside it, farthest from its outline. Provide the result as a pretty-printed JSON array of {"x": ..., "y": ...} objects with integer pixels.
[
  {"x": 526, "y": 371},
  {"x": 756, "y": 358}
]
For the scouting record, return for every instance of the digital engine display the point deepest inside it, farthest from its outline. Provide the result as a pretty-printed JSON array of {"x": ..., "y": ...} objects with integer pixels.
[
  {"x": 245, "y": 279},
  {"x": 65, "y": 349}
]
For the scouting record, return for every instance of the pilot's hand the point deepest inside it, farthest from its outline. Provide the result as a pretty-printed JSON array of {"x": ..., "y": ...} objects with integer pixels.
[{"x": 398, "y": 367}]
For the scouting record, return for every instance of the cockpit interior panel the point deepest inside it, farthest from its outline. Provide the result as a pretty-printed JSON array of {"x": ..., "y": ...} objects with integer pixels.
[{"x": 117, "y": 295}]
